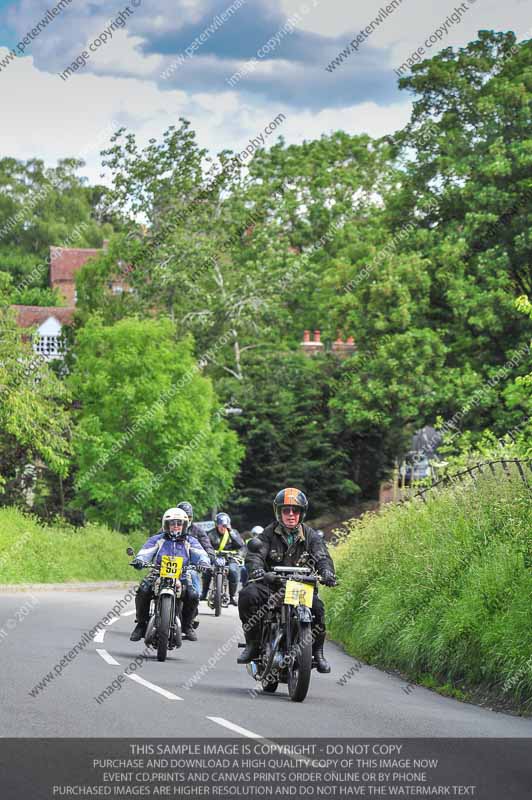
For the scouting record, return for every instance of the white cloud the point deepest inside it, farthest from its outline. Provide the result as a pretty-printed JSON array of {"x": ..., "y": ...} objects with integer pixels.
[
  {"x": 52, "y": 118},
  {"x": 411, "y": 23},
  {"x": 124, "y": 56}
]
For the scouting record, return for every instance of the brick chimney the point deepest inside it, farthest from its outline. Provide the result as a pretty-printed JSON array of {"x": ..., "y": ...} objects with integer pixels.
[
  {"x": 311, "y": 347},
  {"x": 343, "y": 349}
]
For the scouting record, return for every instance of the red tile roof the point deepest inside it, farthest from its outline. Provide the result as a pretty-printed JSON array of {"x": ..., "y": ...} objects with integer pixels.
[
  {"x": 65, "y": 261},
  {"x": 30, "y": 316}
]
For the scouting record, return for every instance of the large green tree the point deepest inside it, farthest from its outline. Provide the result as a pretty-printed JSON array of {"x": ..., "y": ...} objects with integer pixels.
[{"x": 149, "y": 430}]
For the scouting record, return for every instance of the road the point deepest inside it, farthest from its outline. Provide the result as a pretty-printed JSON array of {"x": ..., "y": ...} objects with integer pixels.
[{"x": 197, "y": 692}]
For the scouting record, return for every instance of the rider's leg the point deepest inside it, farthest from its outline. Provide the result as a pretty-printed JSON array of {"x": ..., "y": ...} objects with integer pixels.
[
  {"x": 142, "y": 606},
  {"x": 252, "y": 606},
  {"x": 196, "y": 581},
  {"x": 206, "y": 578},
  {"x": 190, "y": 607},
  {"x": 233, "y": 570},
  {"x": 318, "y": 635}
]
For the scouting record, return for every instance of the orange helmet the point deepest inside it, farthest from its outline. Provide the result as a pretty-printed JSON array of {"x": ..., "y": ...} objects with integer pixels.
[{"x": 290, "y": 497}]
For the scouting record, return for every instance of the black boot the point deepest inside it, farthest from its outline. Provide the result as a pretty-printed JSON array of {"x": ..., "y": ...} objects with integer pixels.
[
  {"x": 138, "y": 632},
  {"x": 318, "y": 659},
  {"x": 205, "y": 583},
  {"x": 252, "y": 649},
  {"x": 142, "y": 605}
]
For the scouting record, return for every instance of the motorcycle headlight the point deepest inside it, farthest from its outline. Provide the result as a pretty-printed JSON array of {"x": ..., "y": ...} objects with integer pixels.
[{"x": 220, "y": 562}]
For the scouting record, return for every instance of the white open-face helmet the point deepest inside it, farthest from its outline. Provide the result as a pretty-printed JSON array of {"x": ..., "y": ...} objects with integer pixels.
[
  {"x": 175, "y": 523},
  {"x": 256, "y": 530}
]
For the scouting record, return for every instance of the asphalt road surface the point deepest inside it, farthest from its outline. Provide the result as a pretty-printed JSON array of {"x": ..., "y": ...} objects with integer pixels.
[{"x": 199, "y": 691}]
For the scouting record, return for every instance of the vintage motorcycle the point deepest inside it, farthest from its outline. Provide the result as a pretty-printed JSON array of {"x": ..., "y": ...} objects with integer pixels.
[
  {"x": 286, "y": 644},
  {"x": 218, "y": 594},
  {"x": 163, "y": 632}
]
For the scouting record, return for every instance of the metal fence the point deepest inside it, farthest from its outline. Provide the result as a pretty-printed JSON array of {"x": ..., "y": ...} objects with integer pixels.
[{"x": 502, "y": 468}]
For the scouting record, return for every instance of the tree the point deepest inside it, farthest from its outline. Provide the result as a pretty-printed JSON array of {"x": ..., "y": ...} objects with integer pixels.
[
  {"x": 34, "y": 423},
  {"x": 42, "y": 207},
  {"x": 289, "y": 438},
  {"x": 149, "y": 429}
]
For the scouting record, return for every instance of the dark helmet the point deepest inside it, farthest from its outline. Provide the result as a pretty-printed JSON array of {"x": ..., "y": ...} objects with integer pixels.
[
  {"x": 187, "y": 508},
  {"x": 290, "y": 497},
  {"x": 223, "y": 519}
]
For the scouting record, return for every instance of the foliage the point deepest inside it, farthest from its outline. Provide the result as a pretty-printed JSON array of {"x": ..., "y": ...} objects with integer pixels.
[
  {"x": 34, "y": 423},
  {"x": 148, "y": 426},
  {"x": 289, "y": 437},
  {"x": 42, "y": 207},
  {"x": 443, "y": 589},
  {"x": 33, "y": 552}
]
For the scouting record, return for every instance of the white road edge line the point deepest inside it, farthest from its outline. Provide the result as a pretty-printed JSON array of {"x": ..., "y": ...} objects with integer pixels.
[
  {"x": 127, "y": 613},
  {"x": 106, "y": 657},
  {"x": 98, "y": 637},
  {"x": 236, "y": 728},
  {"x": 154, "y": 688}
]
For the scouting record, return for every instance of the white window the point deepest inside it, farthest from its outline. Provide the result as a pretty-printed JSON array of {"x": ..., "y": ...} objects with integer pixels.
[
  {"x": 49, "y": 346},
  {"x": 47, "y": 341}
]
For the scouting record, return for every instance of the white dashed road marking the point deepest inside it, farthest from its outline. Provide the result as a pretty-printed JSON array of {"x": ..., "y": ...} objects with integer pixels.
[
  {"x": 154, "y": 688},
  {"x": 236, "y": 728},
  {"x": 106, "y": 657}
]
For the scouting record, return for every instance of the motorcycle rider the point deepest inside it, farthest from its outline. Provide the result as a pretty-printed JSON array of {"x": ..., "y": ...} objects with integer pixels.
[
  {"x": 224, "y": 537},
  {"x": 286, "y": 542},
  {"x": 201, "y": 536},
  {"x": 172, "y": 541}
]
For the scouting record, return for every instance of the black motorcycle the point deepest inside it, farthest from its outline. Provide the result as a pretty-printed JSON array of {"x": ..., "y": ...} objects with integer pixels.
[
  {"x": 286, "y": 645},
  {"x": 218, "y": 594},
  {"x": 163, "y": 631}
]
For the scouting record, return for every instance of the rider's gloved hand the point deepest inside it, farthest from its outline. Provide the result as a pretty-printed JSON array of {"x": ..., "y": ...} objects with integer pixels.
[
  {"x": 271, "y": 578},
  {"x": 257, "y": 574},
  {"x": 328, "y": 578},
  {"x": 138, "y": 563}
]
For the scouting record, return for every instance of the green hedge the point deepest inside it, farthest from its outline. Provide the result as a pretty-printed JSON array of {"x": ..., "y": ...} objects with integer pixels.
[
  {"x": 443, "y": 591},
  {"x": 31, "y": 552}
]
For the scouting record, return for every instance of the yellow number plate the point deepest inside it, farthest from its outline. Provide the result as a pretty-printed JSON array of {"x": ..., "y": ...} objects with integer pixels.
[
  {"x": 297, "y": 594},
  {"x": 171, "y": 566}
]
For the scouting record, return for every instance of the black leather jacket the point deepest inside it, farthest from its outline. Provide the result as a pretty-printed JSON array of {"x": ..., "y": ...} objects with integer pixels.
[
  {"x": 202, "y": 538},
  {"x": 276, "y": 552}
]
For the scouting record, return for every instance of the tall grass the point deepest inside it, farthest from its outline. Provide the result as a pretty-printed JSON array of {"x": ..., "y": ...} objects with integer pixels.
[
  {"x": 31, "y": 552},
  {"x": 443, "y": 589}
]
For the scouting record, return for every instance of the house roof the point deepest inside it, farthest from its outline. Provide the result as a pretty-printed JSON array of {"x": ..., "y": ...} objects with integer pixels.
[
  {"x": 65, "y": 261},
  {"x": 31, "y": 316}
]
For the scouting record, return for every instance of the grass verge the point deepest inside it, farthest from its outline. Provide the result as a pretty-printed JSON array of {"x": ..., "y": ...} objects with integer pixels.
[
  {"x": 31, "y": 552},
  {"x": 443, "y": 590}
]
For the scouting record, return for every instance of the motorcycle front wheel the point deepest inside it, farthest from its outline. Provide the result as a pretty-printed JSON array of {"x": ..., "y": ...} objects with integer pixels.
[
  {"x": 163, "y": 628},
  {"x": 300, "y": 667}
]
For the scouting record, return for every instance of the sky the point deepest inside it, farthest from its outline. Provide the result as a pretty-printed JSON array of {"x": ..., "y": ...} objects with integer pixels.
[{"x": 228, "y": 66}]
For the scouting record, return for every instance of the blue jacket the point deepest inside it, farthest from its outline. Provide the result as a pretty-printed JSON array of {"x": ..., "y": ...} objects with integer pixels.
[{"x": 189, "y": 548}]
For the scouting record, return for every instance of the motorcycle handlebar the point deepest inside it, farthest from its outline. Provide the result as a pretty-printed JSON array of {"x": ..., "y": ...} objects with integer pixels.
[{"x": 195, "y": 567}]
